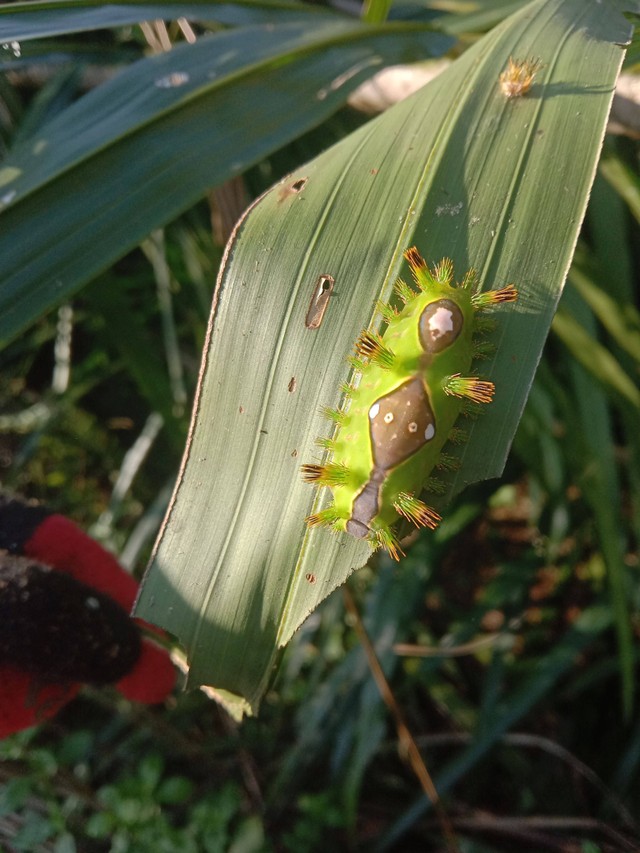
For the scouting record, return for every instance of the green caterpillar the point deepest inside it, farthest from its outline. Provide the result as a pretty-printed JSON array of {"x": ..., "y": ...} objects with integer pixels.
[{"x": 400, "y": 412}]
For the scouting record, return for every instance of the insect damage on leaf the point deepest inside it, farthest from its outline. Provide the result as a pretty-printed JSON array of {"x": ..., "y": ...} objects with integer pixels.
[{"x": 411, "y": 385}]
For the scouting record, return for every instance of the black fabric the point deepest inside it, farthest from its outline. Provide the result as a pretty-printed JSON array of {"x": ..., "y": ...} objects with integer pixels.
[
  {"x": 18, "y": 523},
  {"x": 60, "y": 629}
]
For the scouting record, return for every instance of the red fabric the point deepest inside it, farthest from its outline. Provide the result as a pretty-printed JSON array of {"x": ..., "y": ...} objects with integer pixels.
[
  {"x": 25, "y": 703},
  {"x": 61, "y": 544},
  {"x": 153, "y": 677}
]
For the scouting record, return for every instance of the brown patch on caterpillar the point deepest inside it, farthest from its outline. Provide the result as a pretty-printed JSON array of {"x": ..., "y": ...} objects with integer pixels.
[
  {"x": 366, "y": 506},
  {"x": 440, "y": 324},
  {"x": 400, "y": 424}
]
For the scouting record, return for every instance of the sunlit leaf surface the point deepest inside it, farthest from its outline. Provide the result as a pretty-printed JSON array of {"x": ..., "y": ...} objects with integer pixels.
[{"x": 460, "y": 170}]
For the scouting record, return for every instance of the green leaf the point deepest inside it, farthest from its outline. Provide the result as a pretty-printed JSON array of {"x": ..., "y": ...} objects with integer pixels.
[
  {"x": 621, "y": 321},
  {"x": 595, "y": 358},
  {"x": 478, "y": 17},
  {"x": 376, "y": 11},
  {"x": 598, "y": 478},
  {"x": 175, "y": 789},
  {"x": 137, "y": 151},
  {"x": 460, "y": 170},
  {"x": 21, "y": 22},
  {"x": 624, "y": 180}
]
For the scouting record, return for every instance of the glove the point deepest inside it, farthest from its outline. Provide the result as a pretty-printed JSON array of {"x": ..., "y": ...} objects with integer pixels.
[{"x": 64, "y": 605}]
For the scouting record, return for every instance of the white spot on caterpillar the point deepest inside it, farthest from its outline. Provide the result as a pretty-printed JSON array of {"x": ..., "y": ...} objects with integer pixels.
[
  {"x": 441, "y": 322},
  {"x": 429, "y": 432},
  {"x": 373, "y": 411},
  {"x": 413, "y": 427},
  {"x": 388, "y": 418}
]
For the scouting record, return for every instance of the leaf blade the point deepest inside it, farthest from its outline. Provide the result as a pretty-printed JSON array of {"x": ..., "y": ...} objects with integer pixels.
[
  {"x": 456, "y": 164},
  {"x": 22, "y": 22}
]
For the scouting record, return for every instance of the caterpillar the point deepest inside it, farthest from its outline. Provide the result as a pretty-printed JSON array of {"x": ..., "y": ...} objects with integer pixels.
[{"x": 409, "y": 388}]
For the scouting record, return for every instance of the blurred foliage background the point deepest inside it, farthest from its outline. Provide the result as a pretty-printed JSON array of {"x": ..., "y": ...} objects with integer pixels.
[{"x": 499, "y": 636}]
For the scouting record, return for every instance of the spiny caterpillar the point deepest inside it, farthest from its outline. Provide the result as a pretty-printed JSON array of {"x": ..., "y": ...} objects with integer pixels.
[
  {"x": 518, "y": 77},
  {"x": 397, "y": 417}
]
